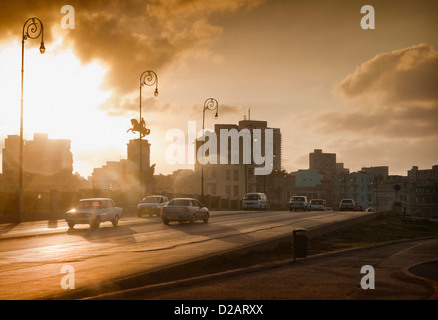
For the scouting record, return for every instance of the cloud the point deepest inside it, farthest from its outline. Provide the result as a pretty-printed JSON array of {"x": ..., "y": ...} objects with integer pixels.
[
  {"x": 393, "y": 95},
  {"x": 405, "y": 75},
  {"x": 127, "y": 36}
]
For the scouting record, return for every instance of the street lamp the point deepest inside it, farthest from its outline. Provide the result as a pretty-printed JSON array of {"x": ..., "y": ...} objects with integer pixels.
[
  {"x": 212, "y": 105},
  {"x": 32, "y": 29},
  {"x": 148, "y": 78}
]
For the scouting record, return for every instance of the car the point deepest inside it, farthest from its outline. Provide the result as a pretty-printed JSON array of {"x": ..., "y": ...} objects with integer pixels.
[
  {"x": 298, "y": 203},
  {"x": 255, "y": 200},
  {"x": 184, "y": 209},
  {"x": 94, "y": 211},
  {"x": 317, "y": 205},
  {"x": 347, "y": 205},
  {"x": 359, "y": 208},
  {"x": 370, "y": 209},
  {"x": 151, "y": 205}
]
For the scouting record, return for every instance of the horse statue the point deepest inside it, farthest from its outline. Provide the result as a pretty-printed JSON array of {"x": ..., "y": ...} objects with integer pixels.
[{"x": 139, "y": 127}]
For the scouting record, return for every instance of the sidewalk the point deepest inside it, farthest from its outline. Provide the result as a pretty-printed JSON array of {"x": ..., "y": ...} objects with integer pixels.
[{"x": 404, "y": 270}]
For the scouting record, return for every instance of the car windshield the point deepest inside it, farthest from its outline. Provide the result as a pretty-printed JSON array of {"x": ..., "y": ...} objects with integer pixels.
[
  {"x": 251, "y": 196},
  {"x": 92, "y": 204},
  {"x": 347, "y": 201},
  {"x": 319, "y": 202},
  {"x": 298, "y": 199},
  {"x": 151, "y": 200},
  {"x": 179, "y": 202}
]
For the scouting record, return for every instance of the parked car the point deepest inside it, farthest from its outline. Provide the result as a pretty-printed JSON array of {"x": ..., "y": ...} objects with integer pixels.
[
  {"x": 151, "y": 205},
  {"x": 93, "y": 211},
  {"x": 359, "y": 208},
  {"x": 298, "y": 203},
  {"x": 184, "y": 209},
  {"x": 370, "y": 209},
  {"x": 317, "y": 205},
  {"x": 255, "y": 200},
  {"x": 347, "y": 205}
]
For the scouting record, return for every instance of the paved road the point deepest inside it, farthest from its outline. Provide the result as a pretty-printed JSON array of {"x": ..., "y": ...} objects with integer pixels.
[
  {"x": 32, "y": 255},
  {"x": 404, "y": 270}
]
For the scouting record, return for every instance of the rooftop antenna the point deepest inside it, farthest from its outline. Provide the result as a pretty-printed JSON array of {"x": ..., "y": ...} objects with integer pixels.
[{"x": 249, "y": 113}]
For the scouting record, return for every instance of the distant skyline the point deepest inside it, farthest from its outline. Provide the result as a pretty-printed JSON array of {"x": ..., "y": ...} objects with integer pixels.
[{"x": 370, "y": 96}]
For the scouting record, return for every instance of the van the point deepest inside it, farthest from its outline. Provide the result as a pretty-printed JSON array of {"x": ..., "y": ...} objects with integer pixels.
[{"x": 255, "y": 200}]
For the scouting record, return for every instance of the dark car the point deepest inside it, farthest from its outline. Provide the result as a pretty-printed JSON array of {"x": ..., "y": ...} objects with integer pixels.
[
  {"x": 184, "y": 209},
  {"x": 347, "y": 205}
]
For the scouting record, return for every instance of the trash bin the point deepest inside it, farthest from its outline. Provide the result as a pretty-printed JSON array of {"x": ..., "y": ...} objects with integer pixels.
[{"x": 299, "y": 243}]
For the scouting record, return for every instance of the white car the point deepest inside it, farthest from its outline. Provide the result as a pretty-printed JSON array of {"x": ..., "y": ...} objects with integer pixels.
[
  {"x": 151, "y": 205},
  {"x": 298, "y": 203},
  {"x": 255, "y": 201},
  {"x": 93, "y": 211},
  {"x": 317, "y": 205}
]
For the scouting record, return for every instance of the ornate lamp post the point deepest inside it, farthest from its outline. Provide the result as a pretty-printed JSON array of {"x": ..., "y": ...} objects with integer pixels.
[
  {"x": 148, "y": 78},
  {"x": 32, "y": 29},
  {"x": 212, "y": 105}
]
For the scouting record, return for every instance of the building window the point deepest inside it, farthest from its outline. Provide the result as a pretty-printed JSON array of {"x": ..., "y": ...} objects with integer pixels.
[
  {"x": 228, "y": 190},
  {"x": 227, "y": 175},
  {"x": 236, "y": 191},
  {"x": 236, "y": 175}
]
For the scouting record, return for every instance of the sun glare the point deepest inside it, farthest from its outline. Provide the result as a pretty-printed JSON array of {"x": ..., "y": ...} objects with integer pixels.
[{"x": 61, "y": 98}]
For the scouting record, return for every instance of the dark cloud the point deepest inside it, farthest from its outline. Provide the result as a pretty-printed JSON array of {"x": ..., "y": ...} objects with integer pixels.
[
  {"x": 129, "y": 37},
  {"x": 392, "y": 95}
]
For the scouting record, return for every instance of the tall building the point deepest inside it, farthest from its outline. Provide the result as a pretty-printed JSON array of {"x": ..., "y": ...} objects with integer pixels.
[
  {"x": 324, "y": 162},
  {"x": 230, "y": 180},
  {"x": 47, "y": 164}
]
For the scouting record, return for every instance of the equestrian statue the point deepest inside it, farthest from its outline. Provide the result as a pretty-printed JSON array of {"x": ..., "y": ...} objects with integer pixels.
[{"x": 139, "y": 127}]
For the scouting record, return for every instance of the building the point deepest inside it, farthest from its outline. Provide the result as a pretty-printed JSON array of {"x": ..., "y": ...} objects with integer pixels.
[
  {"x": 47, "y": 164},
  {"x": 125, "y": 174},
  {"x": 181, "y": 182},
  {"x": 324, "y": 162},
  {"x": 308, "y": 178},
  {"x": 422, "y": 194},
  {"x": 222, "y": 177}
]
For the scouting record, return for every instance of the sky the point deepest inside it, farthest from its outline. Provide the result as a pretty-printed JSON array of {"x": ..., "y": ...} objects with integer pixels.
[{"x": 306, "y": 67}]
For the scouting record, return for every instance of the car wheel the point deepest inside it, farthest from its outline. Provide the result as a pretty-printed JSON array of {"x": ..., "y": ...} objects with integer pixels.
[
  {"x": 115, "y": 222},
  {"x": 206, "y": 218},
  {"x": 192, "y": 219},
  {"x": 71, "y": 225},
  {"x": 96, "y": 222},
  {"x": 139, "y": 214},
  {"x": 165, "y": 221}
]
